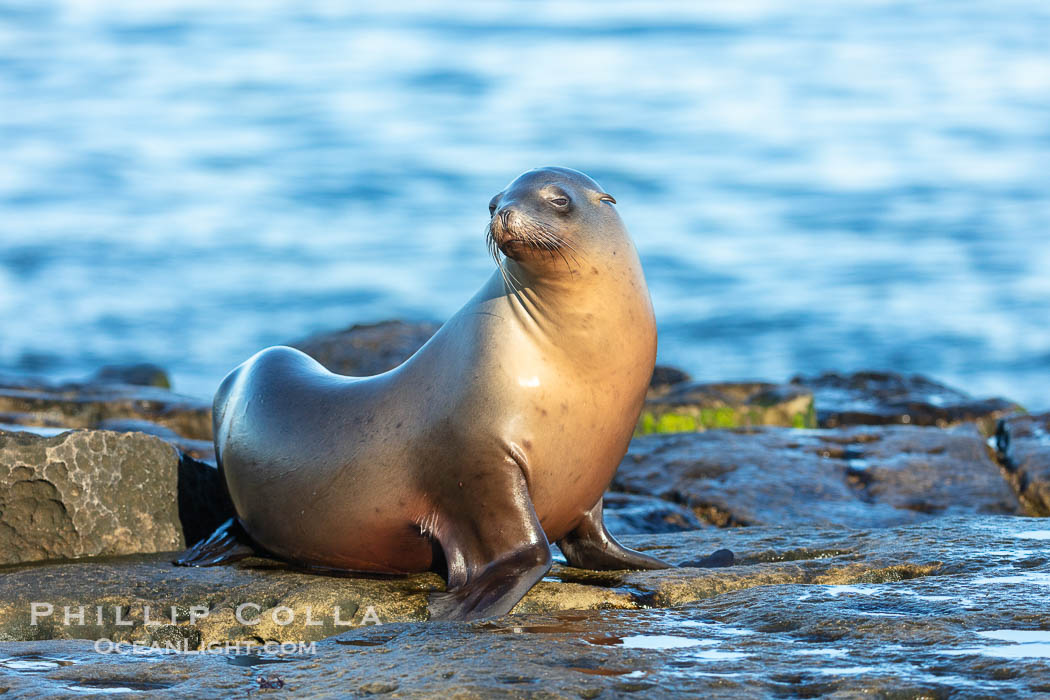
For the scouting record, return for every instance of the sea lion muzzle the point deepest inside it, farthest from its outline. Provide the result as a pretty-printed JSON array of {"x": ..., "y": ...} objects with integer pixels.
[
  {"x": 514, "y": 233},
  {"x": 503, "y": 234}
]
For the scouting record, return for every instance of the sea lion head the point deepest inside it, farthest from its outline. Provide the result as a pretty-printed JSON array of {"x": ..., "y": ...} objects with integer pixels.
[{"x": 552, "y": 218}]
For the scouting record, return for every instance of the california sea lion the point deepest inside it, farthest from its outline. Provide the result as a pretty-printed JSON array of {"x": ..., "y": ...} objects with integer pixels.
[{"x": 498, "y": 436}]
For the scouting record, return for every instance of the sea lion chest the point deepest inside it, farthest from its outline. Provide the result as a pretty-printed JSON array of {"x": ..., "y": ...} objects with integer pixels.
[{"x": 567, "y": 413}]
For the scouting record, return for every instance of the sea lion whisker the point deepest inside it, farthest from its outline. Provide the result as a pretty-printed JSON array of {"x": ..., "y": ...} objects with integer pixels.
[
  {"x": 534, "y": 234},
  {"x": 495, "y": 253},
  {"x": 555, "y": 244},
  {"x": 574, "y": 258},
  {"x": 544, "y": 243},
  {"x": 567, "y": 265},
  {"x": 553, "y": 239},
  {"x": 504, "y": 273},
  {"x": 562, "y": 243},
  {"x": 554, "y": 248},
  {"x": 509, "y": 278}
]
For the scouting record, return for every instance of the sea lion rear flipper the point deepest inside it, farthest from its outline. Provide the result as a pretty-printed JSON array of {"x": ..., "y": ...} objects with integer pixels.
[
  {"x": 228, "y": 543},
  {"x": 495, "y": 552},
  {"x": 590, "y": 546}
]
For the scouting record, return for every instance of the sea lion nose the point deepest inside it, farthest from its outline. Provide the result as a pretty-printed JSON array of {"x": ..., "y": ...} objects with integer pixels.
[{"x": 504, "y": 217}]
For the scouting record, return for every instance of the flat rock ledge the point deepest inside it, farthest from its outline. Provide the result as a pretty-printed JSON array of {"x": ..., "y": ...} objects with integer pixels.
[
  {"x": 942, "y": 609},
  {"x": 128, "y": 585}
]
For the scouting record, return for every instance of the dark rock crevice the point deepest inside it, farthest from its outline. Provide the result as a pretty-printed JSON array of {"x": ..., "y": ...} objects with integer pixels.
[{"x": 1022, "y": 446}]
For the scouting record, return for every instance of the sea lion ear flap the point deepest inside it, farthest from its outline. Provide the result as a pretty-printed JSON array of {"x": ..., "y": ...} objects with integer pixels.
[{"x": 604, "y": 197}]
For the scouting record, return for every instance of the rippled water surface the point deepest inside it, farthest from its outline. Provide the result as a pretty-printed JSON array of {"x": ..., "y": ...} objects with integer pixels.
[{"x": 811, "y": 185}]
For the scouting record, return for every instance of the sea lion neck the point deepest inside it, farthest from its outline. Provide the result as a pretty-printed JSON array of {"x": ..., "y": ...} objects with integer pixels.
[{"x": 581, "y": 306}]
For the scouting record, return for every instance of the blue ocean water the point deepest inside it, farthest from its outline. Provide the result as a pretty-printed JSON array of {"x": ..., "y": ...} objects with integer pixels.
[{"x": 818, "y": 185}]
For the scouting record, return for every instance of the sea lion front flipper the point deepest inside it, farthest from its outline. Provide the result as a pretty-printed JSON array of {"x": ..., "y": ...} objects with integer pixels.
[
  {"x": 495, "y": 552},
  {"x": 590, "y": 546},
  {"x": 228, "y": 543}
]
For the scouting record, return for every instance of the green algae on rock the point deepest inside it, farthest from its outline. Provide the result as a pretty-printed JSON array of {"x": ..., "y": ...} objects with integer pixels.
[{"x": 692, "y": 406}]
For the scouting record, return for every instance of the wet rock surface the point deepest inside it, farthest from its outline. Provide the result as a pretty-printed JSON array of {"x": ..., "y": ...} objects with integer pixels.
[
  {"x": 695, "y": 406},
  {"x": 948, "y": 608},
  {"x": 887, "y": 398},
  {"x": 857, "y": 477},
  {"x": 764, "y": 556},
  {"x": 133, "y": 583},
  {"x": 91, "y": 492},
  {"x": 1023, "y": 444},
  {"x": 629, "y": 514}
]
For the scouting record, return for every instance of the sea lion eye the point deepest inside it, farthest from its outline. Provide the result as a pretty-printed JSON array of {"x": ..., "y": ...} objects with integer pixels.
[
  {"x": 492, "y": 205},
  {"x": 560, "y": 201}
]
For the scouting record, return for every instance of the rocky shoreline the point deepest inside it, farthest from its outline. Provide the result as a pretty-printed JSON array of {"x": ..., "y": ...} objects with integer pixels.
[{"x": 885, "y": 529}]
